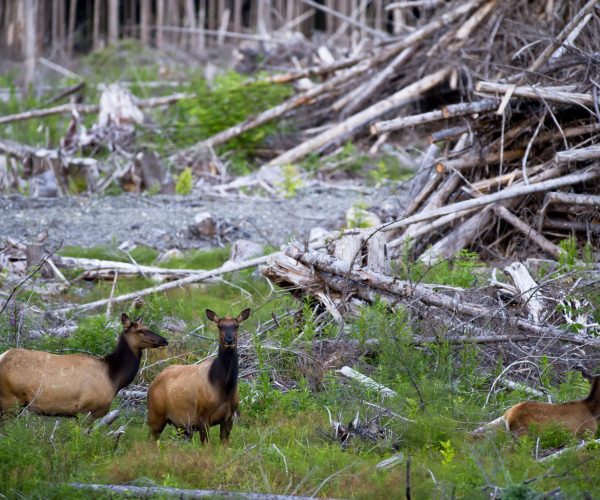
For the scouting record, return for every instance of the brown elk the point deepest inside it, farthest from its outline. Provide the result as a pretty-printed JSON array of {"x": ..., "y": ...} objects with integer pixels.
[
  {"x": 196, "y": 397},
  {"x": 577, "y": 416},
  {"x": 66, "y": 385}
]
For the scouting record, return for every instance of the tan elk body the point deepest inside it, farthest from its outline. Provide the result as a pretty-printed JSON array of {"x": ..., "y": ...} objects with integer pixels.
[
  {"x": 577, "y": 416},
  {"x": 196, "y": 397},
  {"x": 67, "y": 385}
]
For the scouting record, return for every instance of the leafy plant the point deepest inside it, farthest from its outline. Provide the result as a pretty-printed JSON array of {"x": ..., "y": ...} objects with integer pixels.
[{"x": 184, "y": 183}]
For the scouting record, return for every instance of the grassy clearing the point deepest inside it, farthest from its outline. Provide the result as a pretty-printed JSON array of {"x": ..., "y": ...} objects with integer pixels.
[{"x": 282, "y": 441}]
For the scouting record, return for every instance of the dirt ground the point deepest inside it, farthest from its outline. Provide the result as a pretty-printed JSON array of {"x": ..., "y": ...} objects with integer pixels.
[{"x": 162, "y": 221}]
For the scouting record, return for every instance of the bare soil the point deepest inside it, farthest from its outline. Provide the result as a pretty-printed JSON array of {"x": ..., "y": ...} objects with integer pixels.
[{"x": 162, "y": 221}]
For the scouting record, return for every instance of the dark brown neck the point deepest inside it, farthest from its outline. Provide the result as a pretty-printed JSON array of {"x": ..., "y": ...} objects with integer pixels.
[
  {"x": 224, "y": 370},
  {"x": 123, "y": 364},
  {"x": 593, "y": 399}
]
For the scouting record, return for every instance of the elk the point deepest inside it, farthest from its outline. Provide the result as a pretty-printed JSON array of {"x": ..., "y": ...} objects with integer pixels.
[
  {"x": 67, "y": 385},
  {"x": 577, "y": 416},
  {"x": 196, "y": 397}
]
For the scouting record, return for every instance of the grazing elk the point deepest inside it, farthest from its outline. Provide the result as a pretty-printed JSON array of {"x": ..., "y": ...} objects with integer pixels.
[
  {"x": 66, "y": 385},
  {"x": 577, "y": 416},
  {"x": 196, "y": 397}
]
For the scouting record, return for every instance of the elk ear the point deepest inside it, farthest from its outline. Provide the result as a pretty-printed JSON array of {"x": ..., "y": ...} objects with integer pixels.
[
  {"x": 125, "y": 320},
  {"x": 243, "y": 315},
  {"x": 212, "y": 316}
]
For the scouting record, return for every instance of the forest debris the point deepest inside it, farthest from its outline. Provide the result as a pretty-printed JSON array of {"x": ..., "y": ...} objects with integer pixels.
[
  {"x": 388, "y": 463},
  {"x": 529, "y": 291},
  {"x": 592, "y": 443},
  {"x": 536, "y": 92},
  {"x": 347, "y": 128},
  {"x": 368, "y": 382},
  {"x": 528, "y": 231}
]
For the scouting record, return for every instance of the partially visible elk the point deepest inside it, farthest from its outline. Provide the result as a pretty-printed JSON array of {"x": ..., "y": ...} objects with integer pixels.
[
  {"x": 577, "y": 416},
  {"x": 196, "y": 397},
  {"x": 71, "y": 384}
]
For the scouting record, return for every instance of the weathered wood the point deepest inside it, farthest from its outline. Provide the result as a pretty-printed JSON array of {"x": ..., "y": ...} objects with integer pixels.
[
  {"x": 447, "y": 134},
  {"x": 373, "y": 85},
  {"x": 83, "y": 109},
  {"x": 472, "y": 161},
  {"x": 564, "y": 33},
  {"x": 368, "y": 382},
  {"x": 592, "y": 443},
  {"x": 355, "y": 123},
  {"x": 537, "y": 93},
  {"x": 195, "y": 278},
  {"x": 23, "y": 151},
  {"x": 505, "y": 194},
  {"x": 581, "y": 154},
  {"x": 276, "y": 112},
  {"x": 163, "y": 491},
  {"x": 529, "y": 291},
  {"x": 528, "y": 231},
  {"x": 450, "y": 111}
]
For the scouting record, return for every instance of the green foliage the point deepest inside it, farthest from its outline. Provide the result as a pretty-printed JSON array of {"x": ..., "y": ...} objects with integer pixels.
[
  {"x": 198, "y": 259},
  {"x": 184, "y": 183},
  {"x": 227, "y": 101},
  {"x": 292, "y": 181},
  {"x": 94, "y": 335},
  {"x": 388, "y": 168},
  {"x": 460, "y": 270},
  {"x": 568, "y": 257}
]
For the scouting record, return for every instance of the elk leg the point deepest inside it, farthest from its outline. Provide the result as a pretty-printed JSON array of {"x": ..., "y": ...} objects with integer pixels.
[
  {"x": 226, "y": 427},
  {"x": 203, "y": 430}
]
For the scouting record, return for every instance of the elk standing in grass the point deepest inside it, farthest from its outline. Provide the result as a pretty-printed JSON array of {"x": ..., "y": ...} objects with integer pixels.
[
  {"x": 196, "y": 397},
  {"x": 67, "y": 385},
  {"x": 577, "y": 416}
]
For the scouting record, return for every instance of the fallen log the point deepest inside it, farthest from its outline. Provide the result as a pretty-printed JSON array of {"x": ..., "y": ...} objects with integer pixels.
[
  {"x": 537, "y": 93},
  {"x": 580, "y": 446},
  {"x": 83, "y": 109},
  {"x": 98, "y": 265},
  {"x": 163, "y": 491},
  {"x": 446, "y": 112},
  {"x": 195, "y": 278},
  {"x": 368, "y": 382},
  {"x": 23, "y": 151},
  {"x": 581, "y": 154}
]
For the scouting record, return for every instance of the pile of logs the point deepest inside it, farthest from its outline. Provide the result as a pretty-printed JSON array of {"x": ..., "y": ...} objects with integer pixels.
[{"x": 511, "y": 166}]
